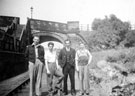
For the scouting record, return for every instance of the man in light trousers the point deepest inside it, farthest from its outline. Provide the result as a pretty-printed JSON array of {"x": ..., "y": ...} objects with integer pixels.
[
  {"x": 83, "y": 59},
  {"x": 53, "y": 69},
  {"x": 35, "y": 56}
]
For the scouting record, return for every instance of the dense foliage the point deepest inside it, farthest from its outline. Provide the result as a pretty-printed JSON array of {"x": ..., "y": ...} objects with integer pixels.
[
  {"x": 109, "y": 32},
  {"x": 129, "y": 40},
  {"x": 125, "y": 58}
]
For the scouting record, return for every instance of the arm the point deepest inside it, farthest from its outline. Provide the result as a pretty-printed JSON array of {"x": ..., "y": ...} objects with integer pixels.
[
  {"x": 56, "y": 60},
  {"x": 46, "y": 64},
  {"x": 47, "y": 69},
  {"x": 57, "y": 65},
  {"x": 90, "y": 57},
  {"x": 76, "y": 61},
  {"x": 60, "y": 58}
]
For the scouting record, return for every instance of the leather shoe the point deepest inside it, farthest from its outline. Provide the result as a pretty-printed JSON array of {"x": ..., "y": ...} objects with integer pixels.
[
  {"x": 73, "y": 92},
  {"x": 87, "y": 93},
  {"x": 55, "y": 92},
  {"x": 65, "y": 93}
]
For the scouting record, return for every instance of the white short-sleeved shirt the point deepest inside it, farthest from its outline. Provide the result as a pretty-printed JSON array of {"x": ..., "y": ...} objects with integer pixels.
[{"x": 50, "y": 56}]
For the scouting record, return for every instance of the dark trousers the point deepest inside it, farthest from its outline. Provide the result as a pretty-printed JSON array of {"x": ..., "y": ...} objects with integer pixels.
[{"x": 69, "y": 70}]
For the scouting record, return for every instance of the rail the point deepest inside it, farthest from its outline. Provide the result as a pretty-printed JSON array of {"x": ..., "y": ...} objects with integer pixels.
[
  {"x": 10, "y": 86},
  {"x": 11, "y": 92}
]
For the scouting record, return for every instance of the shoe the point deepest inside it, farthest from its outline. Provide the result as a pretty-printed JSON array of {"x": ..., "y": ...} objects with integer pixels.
[
  {"x": 50, "y": 90},
  {"x": 73, "y": 92},
  {"x": 55, "y": 92},
  {"x": 81, "y": 93},
  {"x": 87, "y": 94},
  {"x": 65, "y": 93}
]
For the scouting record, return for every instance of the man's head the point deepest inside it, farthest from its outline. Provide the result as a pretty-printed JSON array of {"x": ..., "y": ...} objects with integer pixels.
[
  {"x": 67, "y": 43},
  {"x": 50, "y": 45},
  {"x": 82, "y": 45},
  {"x": 36, "y": 40}
]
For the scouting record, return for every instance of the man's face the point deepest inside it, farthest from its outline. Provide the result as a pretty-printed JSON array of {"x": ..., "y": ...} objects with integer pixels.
[
  {"x": 67, "y": 44},
  {"x": 36, "y": 40},
  {"x": 82, "y": 46},
  {"x": 50, "y": 47}
]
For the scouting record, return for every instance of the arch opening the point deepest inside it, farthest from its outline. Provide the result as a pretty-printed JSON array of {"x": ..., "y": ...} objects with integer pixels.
[
  {"x": 48, "y": 38},
  {"x": 44, "y": 40}
]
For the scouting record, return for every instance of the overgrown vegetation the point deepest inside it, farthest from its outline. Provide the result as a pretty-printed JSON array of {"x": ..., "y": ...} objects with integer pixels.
[
  {"x": 116, "y": 42},
  {"x": 109, "y": 33},
  {"x": 125, "y": 58}
]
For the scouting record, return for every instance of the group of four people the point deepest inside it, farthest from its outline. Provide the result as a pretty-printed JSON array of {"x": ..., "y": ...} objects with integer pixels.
[{"x": 62, "y": 65}]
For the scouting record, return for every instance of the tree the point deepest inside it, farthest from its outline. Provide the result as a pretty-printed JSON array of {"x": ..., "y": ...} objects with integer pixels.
[
  {"x": 109, "y": 31},
  {"x": 129, "y": 40}
]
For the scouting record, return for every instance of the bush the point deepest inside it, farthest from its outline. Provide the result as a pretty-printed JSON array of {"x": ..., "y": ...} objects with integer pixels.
[
  {"x": 117, "y": 58},
  {"x": 125, "y": 57}
]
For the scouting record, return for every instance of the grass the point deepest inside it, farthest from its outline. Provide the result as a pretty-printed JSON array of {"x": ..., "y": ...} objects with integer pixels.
[{"x": 103, "y": 55}]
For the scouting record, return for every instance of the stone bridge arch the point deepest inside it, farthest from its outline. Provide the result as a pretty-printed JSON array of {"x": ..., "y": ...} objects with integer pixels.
[{"x": 51, "y": 36}]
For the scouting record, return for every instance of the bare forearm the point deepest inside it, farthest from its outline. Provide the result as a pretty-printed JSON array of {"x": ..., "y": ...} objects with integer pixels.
[
  {"x": 57, "y": 63},
  {"x": 76, "y": 62},
  {"x": 46, "y": 65},
  {"x": 90, "y": 59}
]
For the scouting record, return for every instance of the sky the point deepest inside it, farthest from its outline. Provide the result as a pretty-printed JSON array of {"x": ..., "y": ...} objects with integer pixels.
[{"x": 84, "y": 11}]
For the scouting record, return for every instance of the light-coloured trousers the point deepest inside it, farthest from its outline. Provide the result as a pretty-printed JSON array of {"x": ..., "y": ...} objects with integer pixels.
[
  {"x": 54, "y": 72},
  {"x": 83, "y": 79},
  {"x": 35, "y": 74}
]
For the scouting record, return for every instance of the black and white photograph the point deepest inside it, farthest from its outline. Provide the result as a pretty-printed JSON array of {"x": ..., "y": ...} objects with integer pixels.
[{"x": 67, "y": 47}]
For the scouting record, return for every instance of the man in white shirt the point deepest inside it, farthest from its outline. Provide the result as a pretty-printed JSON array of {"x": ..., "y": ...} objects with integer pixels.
[{"x": 53, "y": 68}]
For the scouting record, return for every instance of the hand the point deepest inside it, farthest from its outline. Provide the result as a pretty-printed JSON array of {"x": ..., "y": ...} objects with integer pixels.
[
  {"x": 58, "y": 67},
  {"x": 48, "y": 72}
]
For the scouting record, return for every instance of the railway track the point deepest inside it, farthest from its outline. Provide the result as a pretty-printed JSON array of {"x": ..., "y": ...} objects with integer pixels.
[{"x": 11, "y": 86}]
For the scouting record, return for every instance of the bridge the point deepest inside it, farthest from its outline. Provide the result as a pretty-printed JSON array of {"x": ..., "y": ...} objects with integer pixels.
[{"x": 48, "y": 31}]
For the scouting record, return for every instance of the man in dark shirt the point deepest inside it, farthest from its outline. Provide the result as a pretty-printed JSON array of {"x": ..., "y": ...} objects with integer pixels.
[
  {"x": 35, "y": 56},
  {"x": 66, "y": 60}
]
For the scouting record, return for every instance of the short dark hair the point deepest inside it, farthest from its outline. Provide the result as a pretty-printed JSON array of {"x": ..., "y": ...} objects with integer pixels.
[
  {"x": 67, "y": 40},
  {"x": 51, "y": 43},
  {"x": 36, "y": 37}
]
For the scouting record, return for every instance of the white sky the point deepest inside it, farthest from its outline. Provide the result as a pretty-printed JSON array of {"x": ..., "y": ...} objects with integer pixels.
[{"x": 84, "y": 11}]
